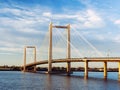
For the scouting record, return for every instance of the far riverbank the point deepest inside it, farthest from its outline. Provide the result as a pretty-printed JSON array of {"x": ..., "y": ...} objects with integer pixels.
[{"x": 19, "y": 68}]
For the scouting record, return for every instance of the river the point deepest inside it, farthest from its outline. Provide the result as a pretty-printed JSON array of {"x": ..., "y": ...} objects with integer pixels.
[{"x": 13, "y": 80}]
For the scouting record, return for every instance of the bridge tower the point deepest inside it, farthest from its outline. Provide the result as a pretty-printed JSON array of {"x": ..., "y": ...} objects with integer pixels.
[
  {"x": 50, "y": 47},
  {"x": 24, "y": 66}
]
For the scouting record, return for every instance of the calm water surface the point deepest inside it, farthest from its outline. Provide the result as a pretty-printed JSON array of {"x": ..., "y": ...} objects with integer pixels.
[{"x": 35, "y": 81}]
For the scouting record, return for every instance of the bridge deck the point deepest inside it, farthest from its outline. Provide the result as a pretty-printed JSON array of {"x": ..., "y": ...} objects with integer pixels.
[{"x": 94, "y": 59}]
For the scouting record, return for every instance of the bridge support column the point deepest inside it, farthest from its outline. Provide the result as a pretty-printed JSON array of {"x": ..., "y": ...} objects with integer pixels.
[
  {"x": 68, "y": 68},
  {"x": 50, "y": 49},
  {"x": 68, "y": 50},
  {"x": 86, "y": 70},
  {"x": 24, "y": 67},
  {"x": 105, "y": 69},
  {"x": 119, "y": 68},
  {"x": 35, "y": 59}
]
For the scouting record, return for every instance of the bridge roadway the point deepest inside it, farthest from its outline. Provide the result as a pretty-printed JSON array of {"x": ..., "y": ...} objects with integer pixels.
[{"x": 88, "y": 59}]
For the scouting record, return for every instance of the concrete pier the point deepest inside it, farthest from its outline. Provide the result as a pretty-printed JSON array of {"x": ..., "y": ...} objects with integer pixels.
[
  {"x": 68, "y": 68},
  {"x": 86, "y": 69},
  {"x": 24, "y": 66},
  {"x": 105, "y": 69},
  {"x": 35, "y": 59},
  {"x": 119, "y": 68}
]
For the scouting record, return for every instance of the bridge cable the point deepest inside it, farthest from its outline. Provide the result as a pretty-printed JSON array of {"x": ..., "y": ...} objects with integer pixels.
[
  {"x": 91, "y": 45},
  {"x": 72, "y": 46}
]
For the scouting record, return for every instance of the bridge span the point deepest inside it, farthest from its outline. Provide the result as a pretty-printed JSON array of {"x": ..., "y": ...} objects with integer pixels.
[
  {"x": 89, "y": 59},
  {"x": 86, "y": 61}
]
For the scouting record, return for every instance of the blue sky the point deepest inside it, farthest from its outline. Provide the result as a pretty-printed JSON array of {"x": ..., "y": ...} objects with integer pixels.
[{"x": 25, "y": 22}]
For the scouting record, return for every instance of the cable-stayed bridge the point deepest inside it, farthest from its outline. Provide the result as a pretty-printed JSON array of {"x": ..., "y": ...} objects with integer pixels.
[{"x": 68, "y": 46}]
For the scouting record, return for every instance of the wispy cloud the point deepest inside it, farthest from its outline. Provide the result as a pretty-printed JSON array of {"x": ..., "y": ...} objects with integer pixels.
[
  {"x": 117, "y": 22},
  {"x": 86, "y": 19}
]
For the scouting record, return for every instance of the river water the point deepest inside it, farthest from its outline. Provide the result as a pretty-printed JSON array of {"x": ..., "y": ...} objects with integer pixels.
[{"x": 10, "y": 80}]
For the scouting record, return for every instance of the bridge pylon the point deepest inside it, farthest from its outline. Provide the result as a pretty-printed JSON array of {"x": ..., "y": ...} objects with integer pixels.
[
  {"x": 51, "y": 26},
  {"x": 50, "y": 49},
  {"x": 24, "y": 66}
]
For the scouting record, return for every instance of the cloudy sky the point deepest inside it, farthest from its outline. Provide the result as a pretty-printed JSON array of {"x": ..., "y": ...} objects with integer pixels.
[{"x": 95, "y": 27}]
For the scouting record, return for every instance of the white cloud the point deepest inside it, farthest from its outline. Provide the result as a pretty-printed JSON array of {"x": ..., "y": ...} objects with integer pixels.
[
  {"x": 92, "y": 20},
  {"x": 117, "y": 22},
  {"x": 84, "y": 19},
  {"x": 117, "y": 39},
  {"x": 11, "y": 49},
  {"x": 92, "y": 16},
  {"x": 7, "y": 53},
  {"x": 8, "y": 10},
  {"x": 22, "y": 25},
  {"x": 17, "y": 12},
  {"x": 47, "y": 14}
]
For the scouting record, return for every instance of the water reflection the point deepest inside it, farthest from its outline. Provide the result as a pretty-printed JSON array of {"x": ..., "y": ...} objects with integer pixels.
[
  {"x": 34, "y": 81},
  {"x": 85, "y": 83},
  {"x": 105, "y": 78},
  {"x": 48, "y": 82},
  {"x": 23, "y": 78},
  {"x": 85, "y": 77},
  {"x": 118, "y": 77},
  {"x": 68, "y": 81}
]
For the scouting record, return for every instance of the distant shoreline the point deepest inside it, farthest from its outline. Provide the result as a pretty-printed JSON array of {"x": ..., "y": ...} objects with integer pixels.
[{"x": 61, "y": 69}]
